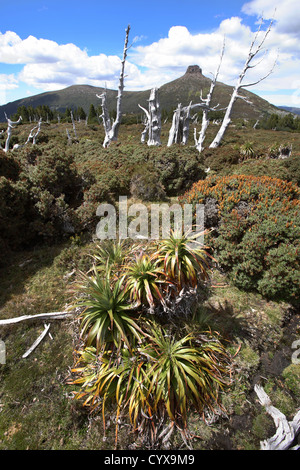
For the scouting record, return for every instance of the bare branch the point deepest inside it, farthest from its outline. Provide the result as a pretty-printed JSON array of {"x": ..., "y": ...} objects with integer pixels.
[
  {"x": 37, "y": 341},
  {"x": 253, "y": 51},
  {"x": 145, "y": 111},
  {"x": 205, "y": 119},
  {"x": 262, "y": 78},
  {"x": 147, "y": 124},
  {"x": 255, "y": 65},
  {"x": 111, "y": 130},
  {"x": 264, "y": 36},
  {"x": 33, "y": 135},
  {"x": 41, "y": 316}
]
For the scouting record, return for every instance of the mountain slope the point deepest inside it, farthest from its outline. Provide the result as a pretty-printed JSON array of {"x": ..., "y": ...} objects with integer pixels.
[
  {"x": 182, "y": 90},
  {"x": 291, "y": 109}
]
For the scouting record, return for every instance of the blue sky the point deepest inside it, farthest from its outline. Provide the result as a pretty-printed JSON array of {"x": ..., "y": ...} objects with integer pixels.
[{"x": 49, "y": 44}]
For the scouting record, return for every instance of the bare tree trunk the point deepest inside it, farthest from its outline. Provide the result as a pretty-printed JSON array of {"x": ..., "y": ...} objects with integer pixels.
[
  {"x": 10, "y": 125},
  {"x": 111, "y": 130},
  {"x": 33, "y": 135},
  {"x": 105, "y": 119},
  {"x": 69, "y": 137},
  {"x": 207, "y": 101},
  {"x": 147, "y": 125},
  {"x": 174, "y": 133},
  {"x": 74, "y": 127},
  {"x": 180, "y": 127},
  {"x": 253, "y": 51},
  {"x": 186, "y": 124},
  {"x": 153, "y": 120}
]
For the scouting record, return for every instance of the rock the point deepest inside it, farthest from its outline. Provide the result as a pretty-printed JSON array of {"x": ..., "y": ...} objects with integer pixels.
[{"x": 194, "y": 69}]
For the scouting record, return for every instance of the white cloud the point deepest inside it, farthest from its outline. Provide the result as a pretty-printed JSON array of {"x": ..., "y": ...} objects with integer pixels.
[
  {"x": 285, "y": 13},
  {"x": 292, "y": 100},
  {"x": 47, "y": 65},
  {"x": 181, "y": 49},
  {"x": 7, "y": 82},
  {"x": 50, "y": 66}
]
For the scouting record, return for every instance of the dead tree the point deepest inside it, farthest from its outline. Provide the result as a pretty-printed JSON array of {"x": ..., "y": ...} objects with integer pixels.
[
  {"x": 174, "y": 133},
  {"x": 146, "y": 122},
  {"x": 68, "y": 136},
  {"x": 205, "y": 120},
  {"x": 179, "y": 131},
  {"x": 33, "y": 135},
  {"x": 286, "y": 431},
  {"x": 74, "y": 127},
  {"x": 153, "y": 120},
  {"x": 10, "y": 125},
  {"x": 112, "y": 129},
  {"x": 186, "y": 117},
  {"x": 70, "y": 140},
  {"x": 254, "y": 50}
]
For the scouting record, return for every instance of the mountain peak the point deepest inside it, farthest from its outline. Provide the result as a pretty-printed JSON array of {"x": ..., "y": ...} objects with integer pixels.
[{"x": 193, "y": 69}]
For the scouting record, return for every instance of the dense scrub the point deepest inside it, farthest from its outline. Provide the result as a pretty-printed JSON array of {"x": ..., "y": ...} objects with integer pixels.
[
  {"x": 51, "y": 191},
  {"x": 256, "y": 223}
]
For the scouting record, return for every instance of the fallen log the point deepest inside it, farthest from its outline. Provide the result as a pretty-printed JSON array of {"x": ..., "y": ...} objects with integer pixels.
[
  {"x": 40, "y": 316},
  {"x": 286, "y": 430}
]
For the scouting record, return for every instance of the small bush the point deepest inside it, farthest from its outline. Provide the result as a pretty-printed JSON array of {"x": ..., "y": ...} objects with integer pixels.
[
  {"x": 9, "y": 167},
  {"x": 258, "y": 232},
  {"x": 15, "y": 213},
  {"x": 146, "y": 187}
]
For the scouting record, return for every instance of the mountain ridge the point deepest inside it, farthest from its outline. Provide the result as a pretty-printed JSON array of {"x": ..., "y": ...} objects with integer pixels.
[{"x": 181, "y": 90}]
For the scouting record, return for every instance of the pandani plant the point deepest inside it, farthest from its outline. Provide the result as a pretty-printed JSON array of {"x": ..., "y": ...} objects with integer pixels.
[
  {"x": 149, "y": 370},
  {"x": 184, "y": 259},
  {"x": 164, "y": 376},
  {"x": 106, "y": 316}
]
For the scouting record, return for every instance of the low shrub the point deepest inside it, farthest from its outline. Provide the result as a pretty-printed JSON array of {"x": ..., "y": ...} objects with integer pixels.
[
  {"x": 221, "y": 158},
  {"x": 15, "y": 213},
  {"x": 39, "y": 193},
  {"x": 146, "y": 187},
  {"x": 256, "y": 236}
]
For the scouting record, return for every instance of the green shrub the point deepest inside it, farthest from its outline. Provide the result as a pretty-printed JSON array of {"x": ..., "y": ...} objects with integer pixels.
[
  {"x": 14, "y": 213},
  {"x": 54, "y": 171},
  {"x": 146, "y": 187},
  {"x": 220, "y": 158},
  {"x": 38, "y": 201},
  {"x": 9, "y": 167},
  {"x": 258, "y": 231},
  {"x": 178, "y": 168}
]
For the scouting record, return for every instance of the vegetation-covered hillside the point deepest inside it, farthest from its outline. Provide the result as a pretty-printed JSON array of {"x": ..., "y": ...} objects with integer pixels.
[
  {"x": 205, "y": 327},
  {"x": 182, "y": 90}
]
